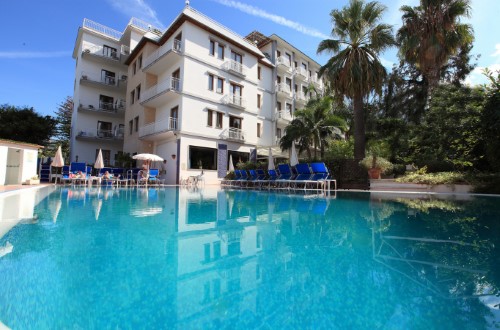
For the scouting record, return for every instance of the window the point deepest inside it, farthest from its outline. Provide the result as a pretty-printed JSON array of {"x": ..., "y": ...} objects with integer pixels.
[
  {"x": 136, "y": 121},
  {"x": 134, "y": 67},
  {"x": 235, "y": 122},
  {"x": 210, "y": 82},
  {"x": 105, "y": 102},
  {"x": 202, "y": 158},
  {"x": 289, "y": 108},
  {"x": 220, "y": 85},
  {"x": 139, "y": 62},
  {"x": 259, "y": 100},
  {"x": 235, "y": 90},
  {"x": 304, "y": 66},
  {"x": 278, "y": 53},
  {"x": 220, "y": 51},
  {"x": 304, "y": 90},
  {"x": 278, "y": 106},
  {"x": 132, "y": 97},
  {"x": 236, "y": 57},
  {"x": 109, "y": 52},
  {"x": 259, "y": 72},
  {"x": 310, "y": 73},
  {"x": 108, "y": 77},
  {"x": 218, "y": 122},
  {"x": 212, "y": 48},
  {"x": 278, "y": 133},
  {"x": 288, "y": 82},
  {"x": 278, "y": 80},
  {"x": 104, "y": 129},
  {"x": 130, "y": 127},
  {"x": 217, "y": 250},
  {"x": 295, "y": 88},
  {"x": 174, "y": 115},
  {"x": 138, "y": 91},
  {"x": 210, "y": 114},
  {"x": 289, "y": 58},
  {"x": 258, "y": 129},
  {"x": 296, "y": 64}
]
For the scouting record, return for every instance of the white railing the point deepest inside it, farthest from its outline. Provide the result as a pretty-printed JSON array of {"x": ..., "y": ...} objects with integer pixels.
[
  {"x": 232, "y": 65},
  {"x": 117, "y": 133},
  {"x": 106, "y": 80},
  {"x": 171, "y": 84},
  {"x": 102, "y": 29},
  {"x": 301, "y": 72},
  {"x": 282, "y": 60},
  {"x": 101, "y": 51},
  {"x": 145, "y": 26},
  {"x": 282, "y": 87},
  {"x": 284, "y": 114},
  {"x": 300, "y": 96},
  {"x": 235, "y": 134},
  {"x": 169, "y": 124},
  {"x": 175, "y": 45},
  {"x": 235, "y": 100}
]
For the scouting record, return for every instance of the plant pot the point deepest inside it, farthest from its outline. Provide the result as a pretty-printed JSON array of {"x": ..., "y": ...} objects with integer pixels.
[
  {"x": 374, "y": 173},
  {"x": 32, "y": 181}
]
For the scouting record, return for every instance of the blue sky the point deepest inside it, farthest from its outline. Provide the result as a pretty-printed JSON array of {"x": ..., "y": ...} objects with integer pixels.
[{"x": 37, "y": 70}]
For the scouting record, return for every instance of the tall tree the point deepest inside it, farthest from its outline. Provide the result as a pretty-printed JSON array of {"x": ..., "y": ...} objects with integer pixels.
[
  {"x": 431, "y": 33},
  {"x": 25, "y": 125},
  {"x": 355, "y": 69},
  {"x": 62, "y": 134},
  {"x": 312, "y": 126}
]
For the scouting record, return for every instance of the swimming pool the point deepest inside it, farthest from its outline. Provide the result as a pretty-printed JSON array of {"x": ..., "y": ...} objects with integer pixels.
[{"x": 210, "y": 259}]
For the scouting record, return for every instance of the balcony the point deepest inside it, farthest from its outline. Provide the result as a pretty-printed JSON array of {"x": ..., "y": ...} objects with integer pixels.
[
  {"x": 233, "y": 134},
  {"x": 100, "y": 54},
  {"x": 234, "y": 101},
  {"x": 158, "y": 130},
  {"x": 161, "y": 93},
  {"x": 284, "y": 116},
  {"x": 124, "y": 53},
  {"x": 301, "y": 73},
  {"x": 284, "y": 90},
  {"x": 235, "y": 67},
  {"x": 112, "y": 109},
  {"x": 105, "y": 82},
  {"x": 163, "y": 58},
  {"x": 301, "y": 98},
  {"x": 115, "y": 135},
  {"x": 284, "y": 63}
]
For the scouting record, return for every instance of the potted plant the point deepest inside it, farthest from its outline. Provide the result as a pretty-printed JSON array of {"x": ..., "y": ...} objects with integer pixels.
[
  {"x": 33, "y": 180},
  {"x": 374, "y": 162}
]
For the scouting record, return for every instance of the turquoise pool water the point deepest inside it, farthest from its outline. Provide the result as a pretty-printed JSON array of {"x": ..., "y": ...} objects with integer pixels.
[{"x": 211, "y": 259}]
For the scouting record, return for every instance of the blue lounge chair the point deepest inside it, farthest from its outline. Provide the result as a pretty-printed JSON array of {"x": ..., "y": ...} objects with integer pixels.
[
  {"x": 153, "y": 176},
  {"x": 283, "y": 180},
  {"x": 321, "y": 174},
  {"x": 243, "y": 178},
  {"x": 304, "y": 174}
]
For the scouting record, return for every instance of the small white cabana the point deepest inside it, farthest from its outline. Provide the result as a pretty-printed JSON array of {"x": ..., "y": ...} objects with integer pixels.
[{"x": 18, "y": 161}]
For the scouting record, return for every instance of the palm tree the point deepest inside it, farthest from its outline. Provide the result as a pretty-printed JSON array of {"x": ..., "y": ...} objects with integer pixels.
[
  {"x": 431, "y": 33},
  {"x": 355, "y": 69},
  {"x": 312, "y": 126}
]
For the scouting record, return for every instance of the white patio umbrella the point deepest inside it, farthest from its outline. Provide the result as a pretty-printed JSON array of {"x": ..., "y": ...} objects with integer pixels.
[
  {"x": 150, "y": 157},
  {"x": 55, "y": 208},
  {"x": 294, "y": 160},
  {"x": 99, "y": 161},
  {"x": 270, "y": 160},
  {"x": 58, "y": 158},
  {"x": 231, "y": 165},
  {"x": 97, "y": 208}
]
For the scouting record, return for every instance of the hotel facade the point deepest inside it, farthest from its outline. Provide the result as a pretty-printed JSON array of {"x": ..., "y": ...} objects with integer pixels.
[{"x": 196, "y": 94}]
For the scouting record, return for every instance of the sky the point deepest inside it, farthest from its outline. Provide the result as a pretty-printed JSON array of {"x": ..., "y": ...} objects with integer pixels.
[{"x": 37, "y": 37}]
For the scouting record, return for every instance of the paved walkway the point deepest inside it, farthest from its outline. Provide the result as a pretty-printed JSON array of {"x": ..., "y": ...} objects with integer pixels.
[{"x": 11, "y": 187}]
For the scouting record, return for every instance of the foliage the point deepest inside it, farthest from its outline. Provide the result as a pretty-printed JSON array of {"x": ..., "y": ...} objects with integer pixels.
[
  {"x": 487, "y": 184},
  {"x": 62, "y": 134},
  {"x": 376, "y": 162},
  {"x": 355, "y": 69},
  {"x": 124, "y": 160},
  {"x": 312, "y": 126},
  {"x": 23, "y": 124},
  {"x": 340, "y": 149},
  {"x": 431, "y": 33},
  {"x": 436, "y": 178},
  {"x": 451, "y": 128},
  {"x": 250, "y": 165},
  {"x": 491, "y": 121}
]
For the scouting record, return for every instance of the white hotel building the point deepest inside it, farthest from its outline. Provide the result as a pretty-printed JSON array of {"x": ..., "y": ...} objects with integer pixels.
[{"x": 194, "y": 94}]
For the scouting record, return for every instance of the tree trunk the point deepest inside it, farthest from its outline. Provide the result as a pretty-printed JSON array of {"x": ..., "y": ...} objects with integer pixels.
[{"x": 359, "y": 128}]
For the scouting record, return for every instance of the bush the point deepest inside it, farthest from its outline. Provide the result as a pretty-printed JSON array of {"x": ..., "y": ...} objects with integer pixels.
[
  {"x": 435, "y": 166},
  {"x": 398, "y": 169},
  {"x": 436, "y": 178},
  {"x": 376, "y": 162},
  {"x": 487, "y": 184}
]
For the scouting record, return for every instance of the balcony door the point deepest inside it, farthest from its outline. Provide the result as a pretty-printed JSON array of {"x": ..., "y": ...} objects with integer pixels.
[
  {"x": 108, "y": 77},
  {"x": 176, "y": 79},
  {"x": 235, "y": 93},
  {"x": 174, "y": 115},
  {"x": 106, "y": 102},
  {"x": 104, "y": 129},
  {"x": 236, "y": 57}
]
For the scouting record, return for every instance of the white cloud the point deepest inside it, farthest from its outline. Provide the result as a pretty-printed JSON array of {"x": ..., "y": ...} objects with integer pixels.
[
  {"x": 497, "y": 51},
  {"x": 254, "y": 11},
  {"x": 476, "y": 77},
  {"x": 139, "y": 9},
  {"x": 386, "y": 63},
  {"x": 33, "y": 55}
]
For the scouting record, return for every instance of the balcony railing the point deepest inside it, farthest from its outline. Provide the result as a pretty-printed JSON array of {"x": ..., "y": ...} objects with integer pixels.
[
  {"x": 171, "y": 84},
  {"x": 116, "y": 134},
  {"x": 284, "y": 114},
  {"x": 169, "y": 124},
  {"x": 125, "y": 50},
  {"x": 109, "y": 107},
  {"x": 300, "y": 96},
  {"x": 106, "y": 80},
  {"x": 234, "y": 66},
  {"x": 102, "y": 29},
  {"x": 234, "y": 100},
  {"x": 300, "y": 71},
  {"x": 285, "y": 61},
  {"x": 283, "y": 88},
  {"x": 175, "y": 45},
  {"x": 235, "y": 134},
  {"x": 97, "y": 50}
]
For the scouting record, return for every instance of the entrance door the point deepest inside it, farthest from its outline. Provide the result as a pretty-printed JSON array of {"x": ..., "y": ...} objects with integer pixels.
[{"x": 12, "y": 173}]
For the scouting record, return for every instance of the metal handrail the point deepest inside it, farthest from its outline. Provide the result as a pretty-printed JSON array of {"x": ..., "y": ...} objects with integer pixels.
[
  {"x": 234, "y": 66},
  {"x": 235, "y": 133},
  {"x": 102, "y": 29},
  {"x": 111, "y": 81},
  {"x": 282, "y": 60},
  {"x": 169, "y": 124},
  {"x": 285, "y": 114},
  {"x": 235, "y": 100},
  {"x": 172, "y": 84},
  {"x": 282, "y": 87},
  {"x": 175, "y": 45}
]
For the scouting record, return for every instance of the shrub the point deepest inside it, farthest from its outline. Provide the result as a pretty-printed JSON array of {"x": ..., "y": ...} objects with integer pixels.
[
  {"x": 376, "y": 162},
  {"x": 436, "y": 178},
  {"x": 398, "y": 169}
]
